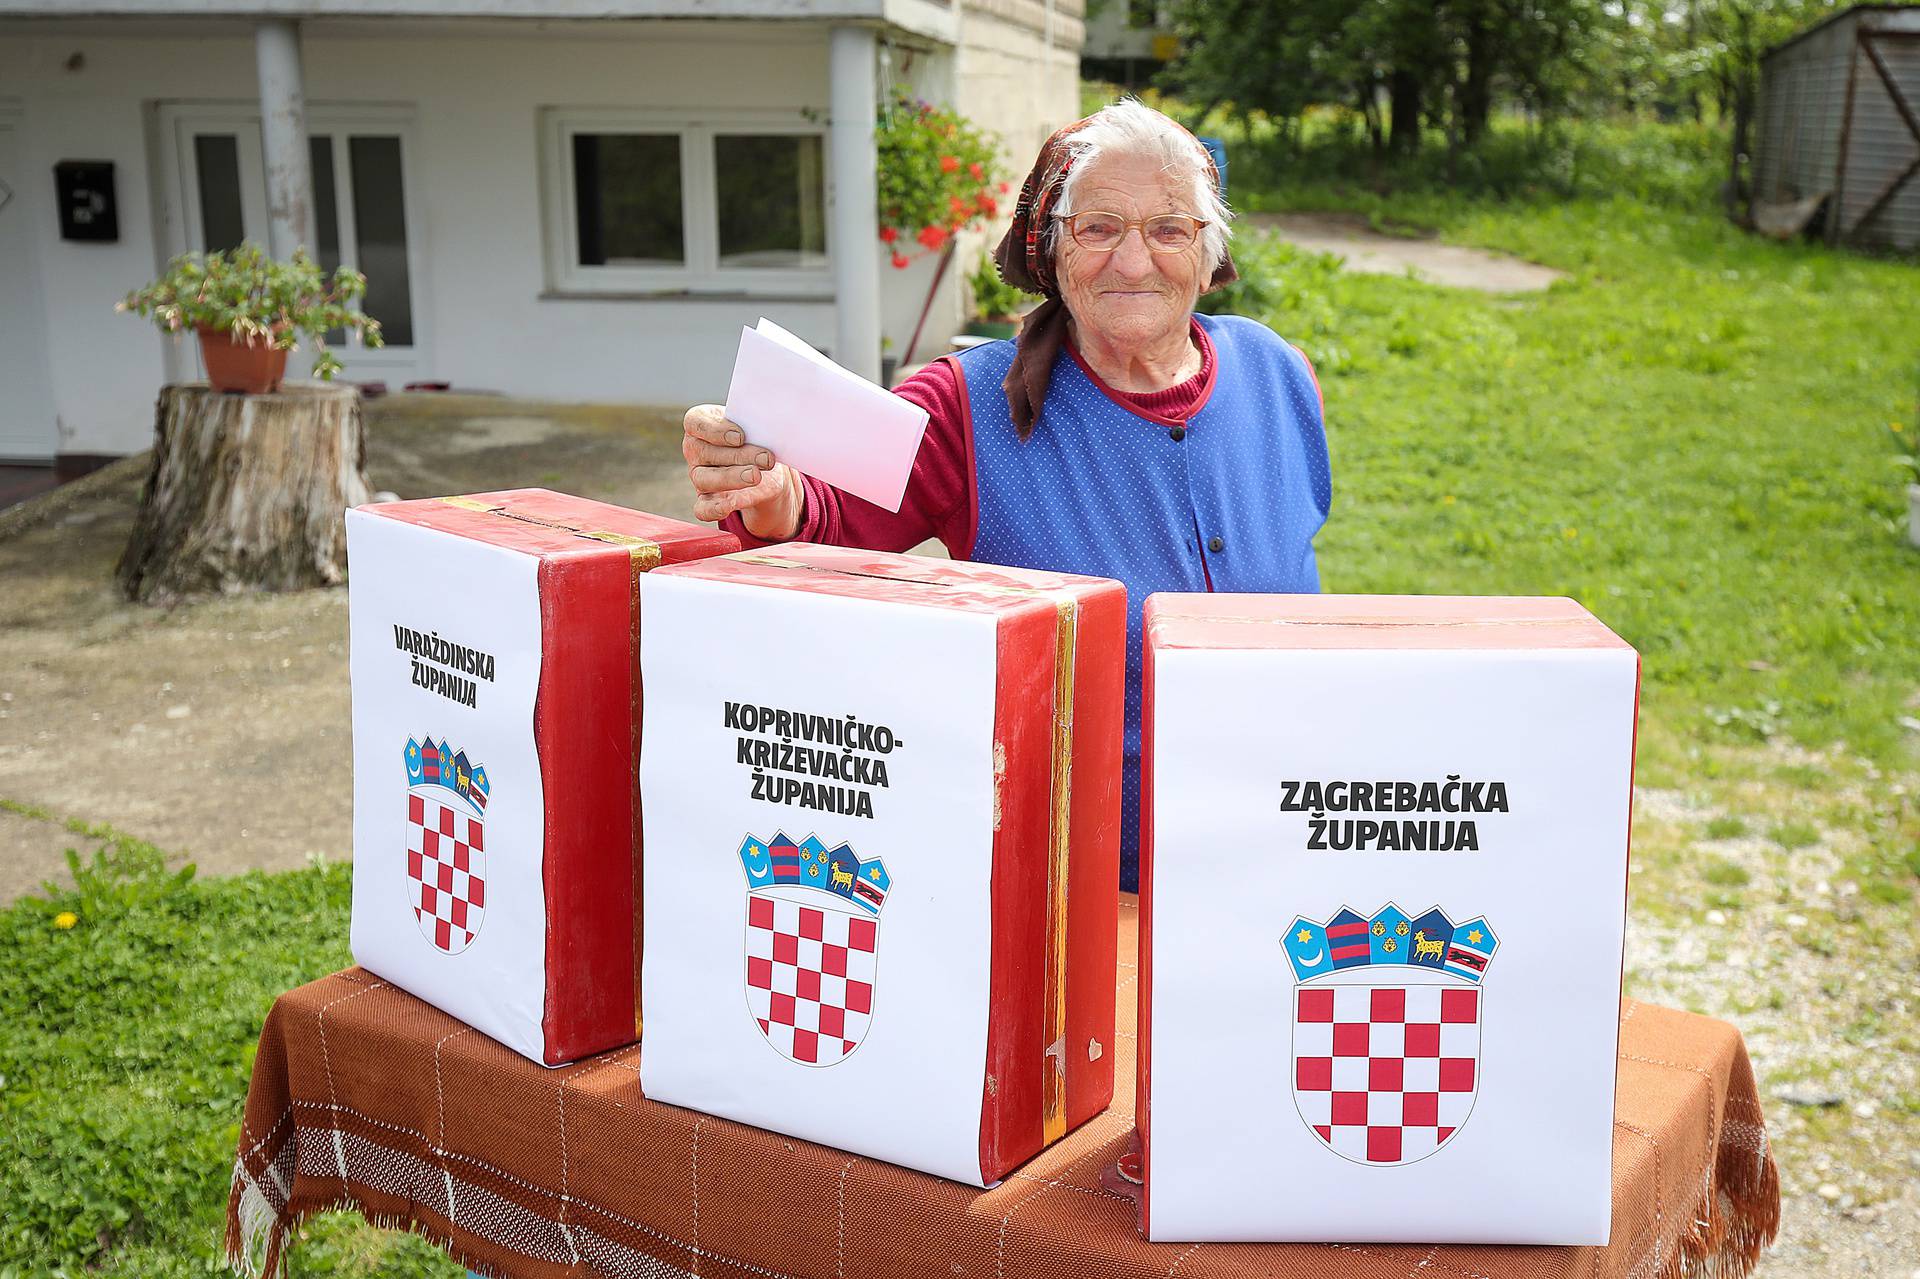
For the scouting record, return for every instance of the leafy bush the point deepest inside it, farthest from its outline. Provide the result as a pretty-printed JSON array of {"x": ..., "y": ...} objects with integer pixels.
[
  {"x": 1672, "y": 165},
  {"x": 257, "y": 299}
]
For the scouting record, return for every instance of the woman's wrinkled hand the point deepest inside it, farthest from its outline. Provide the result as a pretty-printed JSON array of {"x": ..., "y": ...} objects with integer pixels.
[{"x": 731, "y": 475}]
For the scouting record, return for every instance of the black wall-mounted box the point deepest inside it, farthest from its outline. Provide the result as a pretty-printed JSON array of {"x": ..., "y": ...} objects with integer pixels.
[{"x": 87, "y": 207}]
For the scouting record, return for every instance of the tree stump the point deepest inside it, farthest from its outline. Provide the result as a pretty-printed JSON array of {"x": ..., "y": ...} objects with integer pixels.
[{"x": 247, "y": 492}]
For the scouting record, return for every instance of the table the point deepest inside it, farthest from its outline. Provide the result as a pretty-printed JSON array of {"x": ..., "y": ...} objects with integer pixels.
[{"x": 365, "y": 1098}]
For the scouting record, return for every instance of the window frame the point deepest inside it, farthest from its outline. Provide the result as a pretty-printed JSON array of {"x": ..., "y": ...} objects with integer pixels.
[
  {"x": 173, "y": 124},
  {"x": 701, "y": 273}
]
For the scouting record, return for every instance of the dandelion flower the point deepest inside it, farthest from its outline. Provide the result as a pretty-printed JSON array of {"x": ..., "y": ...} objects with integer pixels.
[{"x": 65, "y": 919}]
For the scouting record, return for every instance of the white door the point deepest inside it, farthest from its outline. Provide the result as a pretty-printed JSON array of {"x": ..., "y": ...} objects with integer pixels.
[
  {"x": 28, "y": 431},
  {"x": 363, "y": 214}
]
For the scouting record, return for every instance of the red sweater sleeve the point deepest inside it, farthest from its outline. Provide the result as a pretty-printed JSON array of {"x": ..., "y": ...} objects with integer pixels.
[{"x": 939, "y": 500}]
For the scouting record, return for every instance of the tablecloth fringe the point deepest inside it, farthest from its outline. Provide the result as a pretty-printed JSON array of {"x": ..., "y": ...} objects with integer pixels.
[
  {"x": 1735, "y": 1218},
  {"x": 265, "y": 1253},
  {"x": 1738, "y": 1219}
]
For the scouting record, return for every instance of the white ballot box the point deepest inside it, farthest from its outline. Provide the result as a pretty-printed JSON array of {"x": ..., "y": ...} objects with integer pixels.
[
  {"x": 882, "y": 822},
  {"x": 1383, "y": 890},
  {"x": 496, "y": 705}
]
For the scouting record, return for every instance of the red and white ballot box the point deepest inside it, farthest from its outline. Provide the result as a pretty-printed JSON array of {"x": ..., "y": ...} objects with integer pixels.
[
  {"x": 883, "y": 804},
  {"x": 496, "y": 706},
  {"x": 1383, "y": 893}
]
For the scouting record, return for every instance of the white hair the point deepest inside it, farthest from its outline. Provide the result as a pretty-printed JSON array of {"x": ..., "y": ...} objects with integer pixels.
[{"x": 1132, "y": 128}]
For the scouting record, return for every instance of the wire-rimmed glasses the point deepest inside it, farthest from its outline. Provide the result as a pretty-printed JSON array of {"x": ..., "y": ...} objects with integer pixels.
[{"x": 1102, "y": 232}]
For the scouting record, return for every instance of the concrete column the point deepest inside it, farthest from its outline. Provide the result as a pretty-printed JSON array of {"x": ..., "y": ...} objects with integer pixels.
[
  {"x": 283, "y": 137},
  {"x": 856, "y": 220}
]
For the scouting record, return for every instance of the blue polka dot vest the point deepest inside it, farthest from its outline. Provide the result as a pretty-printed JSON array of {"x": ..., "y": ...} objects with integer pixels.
[{"x": 1229, "y": 502}]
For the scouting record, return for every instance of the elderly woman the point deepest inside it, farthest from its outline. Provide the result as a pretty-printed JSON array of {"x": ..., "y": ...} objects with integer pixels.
[{"x": 1120, "y": 435}]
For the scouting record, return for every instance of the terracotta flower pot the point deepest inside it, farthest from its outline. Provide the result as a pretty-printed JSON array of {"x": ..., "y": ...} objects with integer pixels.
[{"x": 236, "y": 368}]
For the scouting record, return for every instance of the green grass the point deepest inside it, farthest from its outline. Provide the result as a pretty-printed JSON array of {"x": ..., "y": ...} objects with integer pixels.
[
  {"x": 1794, "y": 835},
  {"x": 1688, "y": 435},
  {"x": 1725, "y": 874},
  {"x": 126, "y": 1043},
  {"x": 1726, "y": 828}
]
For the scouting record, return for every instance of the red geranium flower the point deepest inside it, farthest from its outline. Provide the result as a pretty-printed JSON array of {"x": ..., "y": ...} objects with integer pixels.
[
  {"x": 958, "y": 205},
  {"x": 889, "y": 234},
  {"x": 900, "y": 261},
  {"x": 932, "y": 236},
  {"x": 1005, "y": 187},
  {"x": 977, "y": 172},
  {"x": 948, "y": 163},
  {"x": 989, "y": 205}
]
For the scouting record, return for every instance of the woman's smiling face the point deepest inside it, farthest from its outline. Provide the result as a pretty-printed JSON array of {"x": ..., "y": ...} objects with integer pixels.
[{"x": 1130, "y": 296}]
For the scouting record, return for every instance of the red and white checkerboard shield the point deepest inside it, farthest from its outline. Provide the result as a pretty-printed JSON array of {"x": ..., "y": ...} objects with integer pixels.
[
  {"x": 1386, "y": 1065},
  {"x": 810, "y": 964},
  {"x": 446, "y": 867}
]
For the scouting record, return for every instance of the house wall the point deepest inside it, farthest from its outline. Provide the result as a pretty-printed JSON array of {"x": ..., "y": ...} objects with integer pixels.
[
  {"x": 1111, "y": 33},
  {"x": 1016, "y": 74},
  {"x": 482, "y": 305},
  {"x": 1017, "y": 70}
]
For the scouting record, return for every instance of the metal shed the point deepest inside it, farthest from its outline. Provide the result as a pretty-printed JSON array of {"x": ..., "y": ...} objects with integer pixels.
[{"x": 1839, "y": 119}]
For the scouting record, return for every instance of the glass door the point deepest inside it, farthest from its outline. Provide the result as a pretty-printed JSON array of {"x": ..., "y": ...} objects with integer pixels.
[{"x": 360, "y": 216}]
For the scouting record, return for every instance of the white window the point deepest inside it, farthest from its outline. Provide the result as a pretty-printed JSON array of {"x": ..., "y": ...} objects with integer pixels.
[{"x": 653, "y": 202}]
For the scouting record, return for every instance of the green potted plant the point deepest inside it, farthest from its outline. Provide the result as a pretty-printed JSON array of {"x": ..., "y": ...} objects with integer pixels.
[
  {"x": 996, "y": 304},
  {"x": 250, "y": 310}
]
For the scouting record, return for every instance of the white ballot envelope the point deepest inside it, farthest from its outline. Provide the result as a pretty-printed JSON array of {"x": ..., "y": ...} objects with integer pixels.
[{"x": 821, "y": 419}]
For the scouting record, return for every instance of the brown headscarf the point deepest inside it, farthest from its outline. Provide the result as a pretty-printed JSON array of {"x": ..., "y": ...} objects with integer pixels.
[{"x": 1026, "y": 262}]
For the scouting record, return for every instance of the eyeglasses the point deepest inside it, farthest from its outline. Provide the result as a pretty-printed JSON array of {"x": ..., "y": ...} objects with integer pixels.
[{"x": 1102, "y": 232}]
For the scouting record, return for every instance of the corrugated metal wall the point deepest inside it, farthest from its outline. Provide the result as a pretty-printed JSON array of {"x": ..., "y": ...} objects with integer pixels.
[
  {"x": 1882, "y": 148},
  {"x": 1809, "y": 143},
  {"x": 1803, "y": 93}
]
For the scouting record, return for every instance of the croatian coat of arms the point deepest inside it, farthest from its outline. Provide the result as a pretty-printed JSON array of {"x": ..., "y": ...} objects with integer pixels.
[
  {"x": 1386, "y": 1029},
  {"x": 446, "y": 844},
  {"x": 812, "y": 945}
]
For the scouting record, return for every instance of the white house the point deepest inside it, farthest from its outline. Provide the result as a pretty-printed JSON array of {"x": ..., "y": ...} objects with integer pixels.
[
  {"x": 566, "y": 199},
  {"x": 1128, "y": 41}
]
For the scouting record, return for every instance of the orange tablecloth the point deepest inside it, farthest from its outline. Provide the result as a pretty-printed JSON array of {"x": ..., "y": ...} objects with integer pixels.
[{"x": 365, "y": 1098}]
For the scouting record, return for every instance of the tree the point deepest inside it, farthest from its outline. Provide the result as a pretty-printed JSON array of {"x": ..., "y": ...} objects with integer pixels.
[{"x": 1434, "y": 61}]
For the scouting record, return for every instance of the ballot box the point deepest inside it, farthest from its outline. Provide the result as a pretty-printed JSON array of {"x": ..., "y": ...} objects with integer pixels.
[
  {"x": 883, "y": 800},
  {"x": 1383, "y": 892},
  {"x": 496, "y": 711}
]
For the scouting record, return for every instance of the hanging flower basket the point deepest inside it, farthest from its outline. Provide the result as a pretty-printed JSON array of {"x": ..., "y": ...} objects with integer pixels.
[{"x": 939, "y": 175}]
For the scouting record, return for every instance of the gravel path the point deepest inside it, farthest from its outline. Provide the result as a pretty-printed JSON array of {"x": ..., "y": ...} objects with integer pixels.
[
  {"x": 1771, "y": 897},
  {"x": 1367, "y": 251}
]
